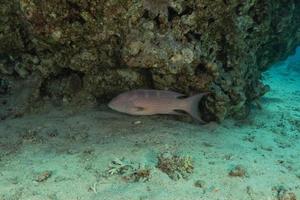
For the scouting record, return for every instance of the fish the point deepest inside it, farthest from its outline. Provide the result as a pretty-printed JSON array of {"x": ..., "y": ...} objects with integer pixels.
[{"x": 152, "y": 102}]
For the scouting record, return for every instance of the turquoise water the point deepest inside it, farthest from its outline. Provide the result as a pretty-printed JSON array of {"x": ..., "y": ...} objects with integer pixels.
[{"x": 295, "y": 57}]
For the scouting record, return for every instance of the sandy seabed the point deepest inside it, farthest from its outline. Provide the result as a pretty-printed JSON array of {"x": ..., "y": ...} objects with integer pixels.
[{"x": 66, "y": 154}]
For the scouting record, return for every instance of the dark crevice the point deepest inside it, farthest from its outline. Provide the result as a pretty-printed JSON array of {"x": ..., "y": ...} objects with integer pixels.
[
  {"x": 211, "y": 20},
  {"x": 147, "y": 74},
  {"x": 191, "y": 35},
  {"x": 4, "y": 86},
  {"x": 157, "y": 21},
  {"x": 250, "y": 30},
  {"x": 74, "y": 14},
  {"x": 187, "y": 11},
  {"x": 43, "y": 88},
  {"x": 64, "y": 73},
  {"x": 11, "y": 62},
  {"x": 225, "y": 2},
  {"x": 238, "y": 9},
  {"x": 172, "y": 14},
  {"x": 146, "y": 14},
  {"x": 23, "y": 30},
  {"x": 117, "y": 42},
  {"x": 161, "y": 76},
  {"x": 200, "y": 69},
  {"x": 258, "y": 12},
  {"x": 222, "y": 54}
]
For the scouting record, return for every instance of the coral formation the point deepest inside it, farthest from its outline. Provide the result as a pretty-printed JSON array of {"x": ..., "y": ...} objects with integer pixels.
[
  {"x": 83, "y": 50},
  {"x": 175, "y": 166},
  {"x": 43, "y": 176},
  {"x": 283, "y": 193},
  {"x": 238, "y": 171},
  {"x": 128, "y": 170}
]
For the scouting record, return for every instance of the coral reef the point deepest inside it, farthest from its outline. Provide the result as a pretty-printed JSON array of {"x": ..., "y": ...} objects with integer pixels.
[{"x": 86, "y": 50}]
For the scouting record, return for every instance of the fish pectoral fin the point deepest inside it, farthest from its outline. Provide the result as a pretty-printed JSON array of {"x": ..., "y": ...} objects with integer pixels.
[
  {"x": 178, "y": 112},
  {"x": 139, "y": 109},
  {"x": 181, "y": 96}
]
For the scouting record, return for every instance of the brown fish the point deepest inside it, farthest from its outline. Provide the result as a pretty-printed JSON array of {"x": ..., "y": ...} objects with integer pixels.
[{"x": 151, "y": 102}]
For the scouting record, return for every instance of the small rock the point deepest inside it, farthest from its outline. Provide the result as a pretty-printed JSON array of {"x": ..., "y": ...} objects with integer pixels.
[
  {"x": 188, "y": 55},
  {"x": 4, "y": 69},
  {"x": 177, "y": 58},
  {"x": 298, "y": 174},
  {"x": 53, "y": 133},
  {"x": 137, "y": 122},
  {"x": 148, "y": 25},
  {"x": 199, "y": 184},
  {"x": 135, "y": 47},
  {"x": 21, "y": 71},
  {"x": 238, "y": 171},
  {"x": 43, "y": 176},
  {"x": 56, "y": 35},
  {"x": 287, "y": 196}
]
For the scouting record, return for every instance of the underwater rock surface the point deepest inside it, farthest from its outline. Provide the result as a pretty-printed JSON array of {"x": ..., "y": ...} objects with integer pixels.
[{"x": 77, "y": 51}]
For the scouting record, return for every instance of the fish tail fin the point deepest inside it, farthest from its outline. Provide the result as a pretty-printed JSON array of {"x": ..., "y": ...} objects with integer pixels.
[{"x": 192, "y": 106}]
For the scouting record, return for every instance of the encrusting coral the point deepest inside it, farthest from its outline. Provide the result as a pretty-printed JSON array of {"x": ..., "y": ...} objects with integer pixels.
[{"x": 107, "y": 47}]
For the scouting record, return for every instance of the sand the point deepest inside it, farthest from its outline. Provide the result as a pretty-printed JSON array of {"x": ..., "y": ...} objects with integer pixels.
[{"x": 64, "y": 154}]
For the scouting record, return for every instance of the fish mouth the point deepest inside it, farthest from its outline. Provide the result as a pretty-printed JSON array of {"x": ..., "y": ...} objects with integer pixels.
[
  {"x": 113, "y": 105},
  {"x": 110, "y": 105}
]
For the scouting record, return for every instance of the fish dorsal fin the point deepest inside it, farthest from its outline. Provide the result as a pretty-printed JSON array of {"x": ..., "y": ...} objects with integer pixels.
[
  {"x": 176, "y": 95},
  {"x": 165, "y": 93},
  {"x": 160, "y": 93}
]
